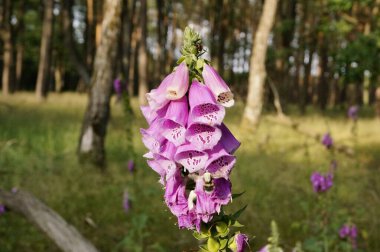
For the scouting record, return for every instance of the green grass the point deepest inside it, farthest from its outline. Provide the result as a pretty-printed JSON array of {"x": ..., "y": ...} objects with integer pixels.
[{"x": 37, "y": 153}]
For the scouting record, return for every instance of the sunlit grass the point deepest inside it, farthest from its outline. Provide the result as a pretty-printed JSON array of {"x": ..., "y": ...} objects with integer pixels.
[{"x": 37, "y": 153}]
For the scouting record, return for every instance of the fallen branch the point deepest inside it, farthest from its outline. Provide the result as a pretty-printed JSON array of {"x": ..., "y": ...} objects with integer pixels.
[
  {"x": 65, "y": 236},
  {"x": 286, "y": 121}
]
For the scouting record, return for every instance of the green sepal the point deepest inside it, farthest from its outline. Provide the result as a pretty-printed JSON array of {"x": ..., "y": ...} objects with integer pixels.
[
  {"x": 223, "y": 243},
  {"x": 221, "y": 229},
  {"x": 231, "y": 243},
  {"x": 180, "y": 60},
  {"x": 200, "y": 236},
  {"x": 200, "y": 63},
  {"x": 213, "y": 245},
  {"x": 237, "y": 195},
  {"x": 237, "y": 224},
  {"x": 203, "y": 248}
]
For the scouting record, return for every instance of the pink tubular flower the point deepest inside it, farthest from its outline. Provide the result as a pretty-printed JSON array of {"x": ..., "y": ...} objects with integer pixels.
[
  {"x": 218, "y": 87},
  {"x": 241, "y": 242},
  {"x": 188, "y": 145},
  {"x": 179, "y": 84},
  {"x": 157, "y": 98},
  {"x": 203, "y": 107}
]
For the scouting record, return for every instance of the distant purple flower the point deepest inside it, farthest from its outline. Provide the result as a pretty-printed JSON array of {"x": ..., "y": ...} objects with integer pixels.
[
  {"x": 14, "y": 190},
  {"x": 321, "y": 183},
  {"x": 349, "y": 232},
  {"x": 2, "y": 209},
  {"x": 344, "y": 231},
  {"x": 126, "y": 202},
  {"x": 241, "y": 242},
  {"x": 353, "y": 112},
  {"x": 118, "y": 86},
  {"x": 327, "y": 140},
  {"x": 131, "y": 165}
]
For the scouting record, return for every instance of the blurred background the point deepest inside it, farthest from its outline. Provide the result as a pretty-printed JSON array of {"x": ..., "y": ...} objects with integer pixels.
[{"x": 322, "y": 58}]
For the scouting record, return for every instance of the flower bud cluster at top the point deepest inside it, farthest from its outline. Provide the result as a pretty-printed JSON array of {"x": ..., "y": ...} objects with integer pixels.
[{"x": 191, "y": 149}]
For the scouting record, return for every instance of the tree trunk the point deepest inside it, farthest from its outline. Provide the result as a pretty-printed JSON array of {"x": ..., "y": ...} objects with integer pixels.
[
  {"x": 90, "y": 34},
  {"x": 43, "y": 76},
  {"x": 143, "y": 55},
  {"x": 257, "y": 72},
  {"x": 7, "y": 37},
  {"x": 20, "y": 44},
  {"x": 323, "y": 80},
  {"x": 131, "y": 50},
  {"x": 92, "y": 138},
  {"x": 70, "y": 44},
  {"x": 377, "y": 102},
  {"x": 65, "y": 236}
]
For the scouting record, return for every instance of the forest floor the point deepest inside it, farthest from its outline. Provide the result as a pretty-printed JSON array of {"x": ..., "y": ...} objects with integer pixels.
[{"x": 37, "y": 153}]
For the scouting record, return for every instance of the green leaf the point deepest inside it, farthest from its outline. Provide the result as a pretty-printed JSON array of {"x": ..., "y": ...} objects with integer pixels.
[
  {"x": 213, "y": 245},
  {"x": 239, "y": 212},
  {"x": 237, "y": 195}
]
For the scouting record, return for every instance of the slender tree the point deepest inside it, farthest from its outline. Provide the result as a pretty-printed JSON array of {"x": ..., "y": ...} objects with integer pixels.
[
  {"x": 7, "y": 37},
  {"x": 90, "y": 33},
  {"x": 143, "y": 55},
  {"x": 43, "y": 76},
  {"x": 74, "y": 55},
  {"x": 20, "y": 43},
  {"x": 257, "y": 72},
  {"x": 94, "y": 127}
]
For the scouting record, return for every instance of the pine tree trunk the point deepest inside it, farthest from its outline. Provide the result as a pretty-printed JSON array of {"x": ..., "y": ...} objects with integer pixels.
[
  {"x": 43, "y": 76},
  {"x": 90, "y": 34},
  {"x": 8, "y": 60},
  {"x": 323, "y": 80},
  {"x": 70, "y": 44},
  {"x": 143, "y": 55},
  {"x": 131, "y": 49},
  {"x": 257, "y": 72},
  {"x": 20, "y": 44},
  {"x": 92, "y": 138}
]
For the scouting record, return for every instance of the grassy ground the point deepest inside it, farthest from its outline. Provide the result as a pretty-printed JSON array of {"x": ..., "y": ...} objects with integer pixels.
[{"x": 37, "y": 153}]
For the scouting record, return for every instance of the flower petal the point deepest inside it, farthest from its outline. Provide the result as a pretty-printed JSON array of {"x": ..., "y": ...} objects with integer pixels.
[
  {"x": 228, "y": 141},
  {"x": 157, "y": 97}
]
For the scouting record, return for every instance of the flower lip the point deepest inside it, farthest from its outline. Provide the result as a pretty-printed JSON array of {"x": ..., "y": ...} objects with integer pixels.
[
  {"x": 192, "y": 159},
  {"x": 203, "y": 136}
]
